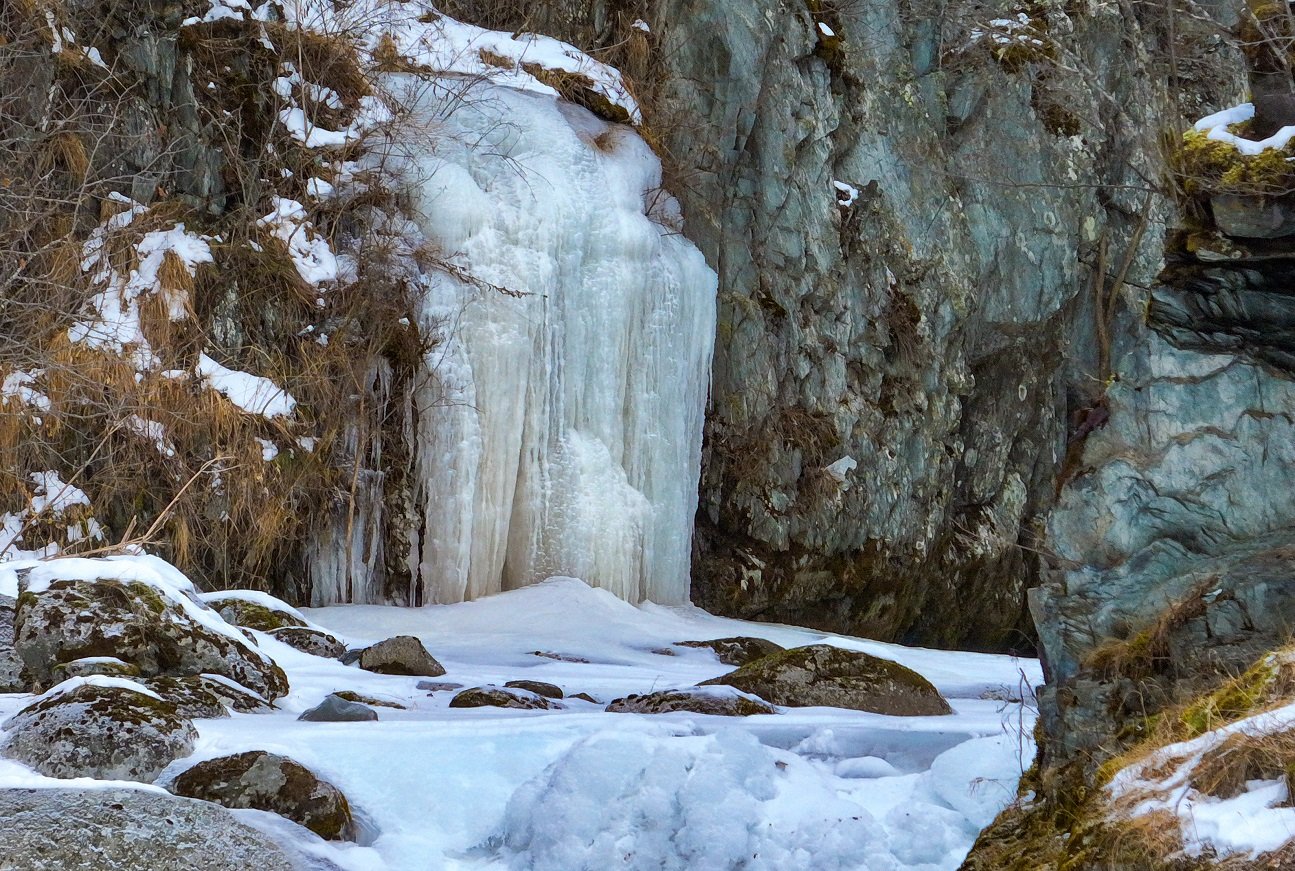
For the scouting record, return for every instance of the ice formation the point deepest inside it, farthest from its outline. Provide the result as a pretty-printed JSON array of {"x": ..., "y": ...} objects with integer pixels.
[{"x": 559, "y": 419}]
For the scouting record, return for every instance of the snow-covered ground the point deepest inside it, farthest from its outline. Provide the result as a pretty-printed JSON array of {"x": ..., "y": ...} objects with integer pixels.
[{"x": 579, "y": 788}]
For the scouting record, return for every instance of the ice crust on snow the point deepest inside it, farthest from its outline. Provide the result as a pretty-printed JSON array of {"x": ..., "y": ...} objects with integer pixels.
[{"x": 563, "y": 429}]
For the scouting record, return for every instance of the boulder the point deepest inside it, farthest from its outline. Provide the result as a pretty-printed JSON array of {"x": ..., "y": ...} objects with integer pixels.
[
  {"x": 126, "y": 830},
  {"x": 11, "y": 680},
  {"x": 500, "y": 697},
  {"x": 438, "y": 686},
  {"x": 360, "y": 698},
  {"x": 108, "y": 666},
  {"x": 205, "y": 696},
  {"x": 98, "y": 727},
  {"x": 833, "y": 677},
  {"x": 252, "y": 615},
  {"x": 273, "y": 783},
  {"x": 335, "y": 709},
  {"x": 402, "y": 655},
  {"x": 312, "y": 641},
  {"x": 539, "y": 687},
  {"x": 158, "y": 632},
  {"x": 738, "y": 650},
  {"x": 720, "y": 701}
]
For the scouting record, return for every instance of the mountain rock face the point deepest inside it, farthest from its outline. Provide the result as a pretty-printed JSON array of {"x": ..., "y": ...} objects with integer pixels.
[{"x": 906, "y": 204}]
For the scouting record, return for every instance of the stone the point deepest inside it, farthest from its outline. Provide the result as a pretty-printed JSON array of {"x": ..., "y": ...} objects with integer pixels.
[
  {"x": 11, "y": 679},
  {"x": 101, "y": 731},
  {"x": 693, "y": 700},
  {"x": 499, "y": 697},
  {"x": 136, "y": 623},
  {"x": 129, "y": 829},
  {"x": 736, "y": 651},
  {"x": 1253, "y": 216},
  {"x": 269, "y": 782},
  {"x": 360, "y": 698},
  {"x": 559, "y": 657},
  {"x": 539, "y": 687},
  {"x": 833, "y": 677},
  {"x": 205, "y": 696},
  {"x": 335, "y": 709},
  {"x": 438, "y": 686},
  {"x": 402, "y": 655},
  {"x": 101, "y": 665},
  {"x": 312, "y": 641},
  {"x": 252, "y": 615}
]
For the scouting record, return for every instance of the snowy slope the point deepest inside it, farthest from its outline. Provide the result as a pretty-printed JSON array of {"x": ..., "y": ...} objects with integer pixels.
[{"x": 443, "y": 788}]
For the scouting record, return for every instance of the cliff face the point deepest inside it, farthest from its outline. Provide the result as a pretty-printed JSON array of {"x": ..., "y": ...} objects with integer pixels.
[{"x": 906, "y": 205}]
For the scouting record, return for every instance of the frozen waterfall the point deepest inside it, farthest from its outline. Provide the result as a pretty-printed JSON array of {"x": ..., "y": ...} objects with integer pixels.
[{"x": 558, "y": 422}]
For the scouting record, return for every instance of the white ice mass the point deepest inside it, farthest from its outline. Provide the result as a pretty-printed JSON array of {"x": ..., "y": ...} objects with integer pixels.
[{"x": 559, "y": 419}]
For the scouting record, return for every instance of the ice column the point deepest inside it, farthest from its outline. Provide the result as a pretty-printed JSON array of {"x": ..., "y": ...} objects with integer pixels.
[{"x": 559, "y": 418}]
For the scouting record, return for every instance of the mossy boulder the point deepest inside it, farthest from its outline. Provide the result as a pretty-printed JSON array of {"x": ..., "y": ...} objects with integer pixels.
[
  {"x": 11, "y": 679},
  {"x": 539, "y": 687},
  {"x": 108, "y": 666},
  {"x": 129, "y": 829},
  {"x": 107, "y": 732},
  {"x": 206, "y": 696},
  {"x": 139, "y": 624},
  {"x": 268, "y": 782},
  {"x": 738, "y": 650},
  {"x": 718, "y": 701},
  {"x": 312, "y": 641},
  {"x": 402, "y": 655},
  {"x": 501, "y": 697},
  {"x": 252, "y": 615},
  {"x": 833, "y": 677}
]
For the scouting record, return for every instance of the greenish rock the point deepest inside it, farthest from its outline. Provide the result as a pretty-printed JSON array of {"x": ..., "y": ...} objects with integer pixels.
[
  {"x": 500, "y": 697},
  {"x": 833, "y": 677},
  {"x": 736, "y": 651},
  {"x": 693, "y": 700},
  {"x": 105, "y": 732},
  {"x": 252, "y": 615},
  {"x": 312, "y": 641},
  {"x": 102, "y": 665},
  {"x": 205, "y": 696},
  {"x": 335, "y": 709},
  {"x": 268, "y": 782},
  {"x": 539, "y": 687},
  {"x": 137, "y": 624},
  {"x": 129, "y": 829},
  {"x": 402, "y": 655},
  {"x": 360, "y": 698}
]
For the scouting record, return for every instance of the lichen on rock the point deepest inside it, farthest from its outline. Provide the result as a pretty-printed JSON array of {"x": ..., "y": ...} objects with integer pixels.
[{"x": 693, "y": 700}]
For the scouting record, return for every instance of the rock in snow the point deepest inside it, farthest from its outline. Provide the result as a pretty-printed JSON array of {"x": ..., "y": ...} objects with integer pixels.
[
  {"x": 823, "y": 675},
  {"x": 105, "y": 730},
  {"x": 269, "y": 782},
  {"x": 721, "y": 701},
  {"x": 403, "y": 655},
  {"x": 126, "y": 830},
  {"x": 335, "y": 709},
  {"x": 736, "y": 651}
]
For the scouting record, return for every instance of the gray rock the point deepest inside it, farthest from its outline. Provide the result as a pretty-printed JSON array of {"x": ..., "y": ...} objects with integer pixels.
[
  {"x": 438, "y": 686},
  {"x": 402, "y": 655},
  {"x": 273, "y": 783},
  {"x": 105, "y": 732},
  {"x": 252, "y": 615},
  {"x": 833, "y": 677},
  {"x": 126, "y": 830},
  {"x": 694, "y": 700},
  {"x": 539, "y": 687},
  {"x": 311, "y": 641},
  {"x": 500, "y": 697},
  {"x": 335, "y": 709},
  {"x": 137, "y": 624},
  {"x": 736, "y": 651},
  {"x": 1253, "y": 217},
  {"x": 11, "y": 680}
]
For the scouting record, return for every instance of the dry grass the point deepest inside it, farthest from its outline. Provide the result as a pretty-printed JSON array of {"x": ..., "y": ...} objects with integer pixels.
[{"x": 1147, "y": 652}]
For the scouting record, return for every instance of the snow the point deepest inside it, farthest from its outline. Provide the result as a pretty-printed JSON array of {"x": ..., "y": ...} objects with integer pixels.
[
  {"x": 96, "y": 680},
  {"x": 152, "y": 431},
  {"x": 841, "y": 469},
  {"x": 824, "y": 29},
  {"x": 846, "y": 194},
  {"x": 1248, "y": 824},
  {"x": 51, "y": 498},
  {"x": 311, "y": 254},
  {"x": 1216, "y": 127},
  {"x": 562, "y": 429},
  {"x": 436, "y": 787},
  {"x": 16, "y": 388},
  {"x": 251, "y": 393}
]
